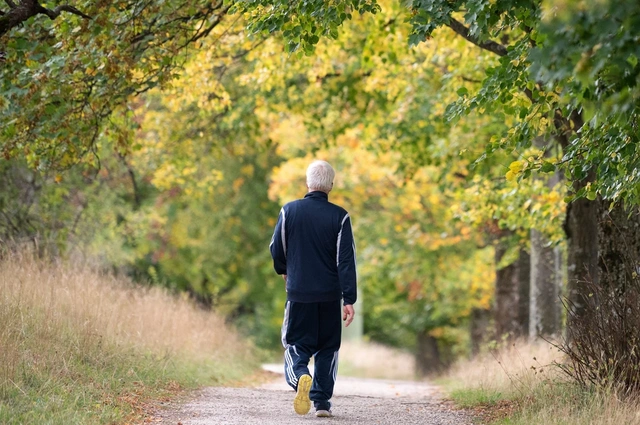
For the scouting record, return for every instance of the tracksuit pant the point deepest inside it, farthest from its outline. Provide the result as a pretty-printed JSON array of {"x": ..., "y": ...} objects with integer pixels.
[{"x": 312, "y": 329}]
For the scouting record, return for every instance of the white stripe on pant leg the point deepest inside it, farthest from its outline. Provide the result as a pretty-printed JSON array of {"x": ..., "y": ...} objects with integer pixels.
[
  {"x": 285, "y": 325},
  {"x": 334, "y": 367},
  {"x": 289, "y": 366},
  {"x": 289, "y": 361},
  {"x": 287, "y": 355}
]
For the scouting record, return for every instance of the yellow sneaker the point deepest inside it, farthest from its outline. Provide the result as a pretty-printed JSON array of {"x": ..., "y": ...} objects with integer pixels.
[{"x": 302, "y": 403}]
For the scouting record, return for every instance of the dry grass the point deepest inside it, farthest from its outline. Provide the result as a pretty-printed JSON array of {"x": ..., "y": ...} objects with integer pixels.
[
  {"x": 371, "y": 360},
  {"x": 518, "y": 384},
  {"x": 515, "y": 367},
  {"x": 572, "y": 407},
  {"x": 88, "y": 345}
]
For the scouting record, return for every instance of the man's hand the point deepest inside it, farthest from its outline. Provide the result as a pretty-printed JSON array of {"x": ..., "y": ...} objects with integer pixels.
[
  {"x": 347, "y": 314},
  {"x": 284, "y": 276}
]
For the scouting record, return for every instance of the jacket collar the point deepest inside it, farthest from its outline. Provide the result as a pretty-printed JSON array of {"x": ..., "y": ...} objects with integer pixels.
[{"x": 317, "y": 195}]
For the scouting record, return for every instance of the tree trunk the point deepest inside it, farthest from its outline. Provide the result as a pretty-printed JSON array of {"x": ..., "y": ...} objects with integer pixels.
[
  {"x": 524, "y": 283},
  {"x": 506, "y": 299},
  {"x": 428, "y": 356},
  {"x": 619, "y": 237},
  {"x": 581, "y": 228},
  {"x": 545, "y": 291},
  {"x": 479, "y": 327},
  {"x": 544, "y": 305}
]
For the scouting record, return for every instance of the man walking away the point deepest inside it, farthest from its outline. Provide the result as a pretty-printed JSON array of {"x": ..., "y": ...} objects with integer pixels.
[{"x": 314, "y": 251}]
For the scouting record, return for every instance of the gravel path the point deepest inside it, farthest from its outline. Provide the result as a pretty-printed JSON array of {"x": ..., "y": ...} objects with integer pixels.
[{"x": 355, "y": 401}]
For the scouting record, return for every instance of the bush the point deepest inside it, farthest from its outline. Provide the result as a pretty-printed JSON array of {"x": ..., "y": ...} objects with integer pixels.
[{"x": 602, "y": 339}]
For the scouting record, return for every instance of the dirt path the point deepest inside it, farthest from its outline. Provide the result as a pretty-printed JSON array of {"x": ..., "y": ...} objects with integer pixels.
[{"x": 356, "y": 401}]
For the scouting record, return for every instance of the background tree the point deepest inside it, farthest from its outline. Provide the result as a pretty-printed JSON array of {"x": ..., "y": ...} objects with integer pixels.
[{"x": 203, "y": 150}]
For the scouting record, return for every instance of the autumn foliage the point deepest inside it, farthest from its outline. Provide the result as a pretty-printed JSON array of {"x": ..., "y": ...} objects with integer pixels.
[{"x": 162, "y": 138}]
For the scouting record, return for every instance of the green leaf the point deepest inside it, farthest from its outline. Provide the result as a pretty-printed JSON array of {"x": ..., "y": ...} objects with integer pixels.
[{"x": 547, "y": 167}]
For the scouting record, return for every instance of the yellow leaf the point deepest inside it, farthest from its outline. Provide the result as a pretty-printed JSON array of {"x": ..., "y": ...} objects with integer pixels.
[
  {"x": 247, "y": 170},
  {"x": 516, "y": 166}
]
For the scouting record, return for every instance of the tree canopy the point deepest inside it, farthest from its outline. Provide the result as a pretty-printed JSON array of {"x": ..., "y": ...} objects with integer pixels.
[
  {"x": 557, "y": 64},
  {"x": 67, "y": 69}
]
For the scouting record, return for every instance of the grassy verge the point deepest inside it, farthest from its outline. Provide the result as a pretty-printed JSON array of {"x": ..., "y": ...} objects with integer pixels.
[
  {"x": 80, "y": 347},
  {"x": 519, "y": 385}
]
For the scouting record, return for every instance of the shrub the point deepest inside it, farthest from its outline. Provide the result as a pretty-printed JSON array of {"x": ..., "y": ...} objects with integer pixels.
[{"x": 602, "y": 339}]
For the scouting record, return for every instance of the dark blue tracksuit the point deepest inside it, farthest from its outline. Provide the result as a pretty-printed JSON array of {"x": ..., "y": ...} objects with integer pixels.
[{"x": 313, "y": 245}]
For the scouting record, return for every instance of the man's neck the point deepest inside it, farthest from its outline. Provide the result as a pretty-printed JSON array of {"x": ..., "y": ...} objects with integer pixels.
[{"x": 318, "y": 190}]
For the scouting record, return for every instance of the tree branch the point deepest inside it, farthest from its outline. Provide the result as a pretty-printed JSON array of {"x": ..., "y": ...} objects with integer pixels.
[
  {"x": 490, "y": 45},
  {"x": 200, "y": 32},
  {"x": 18, "y": 14},
  {"x": 565, "y": 126},
  {"x": 53, "y": 14},
  {"x": 470, "y": 80},
  {"x": 134, "y": 184}
]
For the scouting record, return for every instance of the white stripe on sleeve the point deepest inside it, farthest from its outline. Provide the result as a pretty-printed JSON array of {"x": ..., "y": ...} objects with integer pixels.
[
  {"x": 339, "y": 239},
  {"x": 282, "y": 235}
]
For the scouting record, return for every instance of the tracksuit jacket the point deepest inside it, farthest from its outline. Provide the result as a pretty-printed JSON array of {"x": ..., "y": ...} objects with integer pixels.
[{"x": 313, "y": 245}]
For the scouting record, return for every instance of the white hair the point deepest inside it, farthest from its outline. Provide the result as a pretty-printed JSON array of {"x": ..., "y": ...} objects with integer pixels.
[{"x": 320, "y": 176}]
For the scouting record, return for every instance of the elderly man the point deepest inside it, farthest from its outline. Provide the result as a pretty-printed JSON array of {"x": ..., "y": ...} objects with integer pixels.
[{"x": 314, "y": 251}]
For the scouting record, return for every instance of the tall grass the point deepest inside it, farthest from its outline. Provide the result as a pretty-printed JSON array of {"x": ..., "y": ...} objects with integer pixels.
[
  {"x": 519, "y": 384},
  {"x": 79, "y": 346},
  {"x": 505, "y": 373}
]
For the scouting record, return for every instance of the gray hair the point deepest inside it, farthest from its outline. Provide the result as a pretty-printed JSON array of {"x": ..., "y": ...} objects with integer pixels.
[{"x": 320, "y": 176}]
